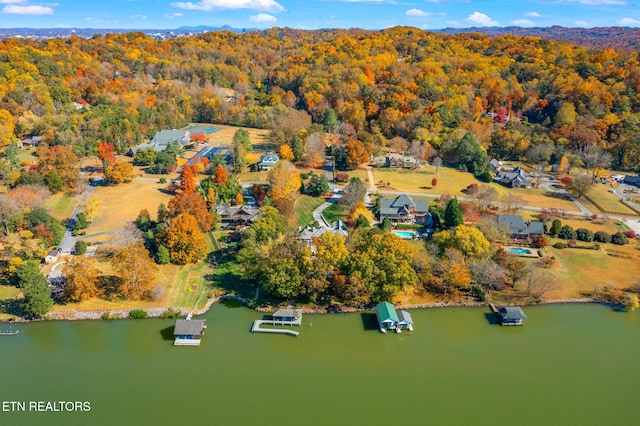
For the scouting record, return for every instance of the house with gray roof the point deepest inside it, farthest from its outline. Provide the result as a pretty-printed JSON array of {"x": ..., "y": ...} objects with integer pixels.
[
  {"x": 397, "y": 160},
  {"x": 308, "y": 234},
  {"x": 268, "y": 160},
  {"x": 631, "y": 180},
  {"x": 519, "y": 228},
  {"x": 496, "y": 165},
  {"x": 404, "y": 209},
  {"x": 162, "y": 139},
  {"x": 405, "y": 320},
  {"x": 237, "y": 215},
  {"x": 511, "y": 315},
  {"x": 188, "y": 332},
  {"x": 515, "y": 178},
  {"x": 212, "y": 151}
]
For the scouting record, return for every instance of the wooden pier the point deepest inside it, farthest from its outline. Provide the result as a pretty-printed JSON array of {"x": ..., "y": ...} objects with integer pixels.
[{"x": 257, "y": 329}]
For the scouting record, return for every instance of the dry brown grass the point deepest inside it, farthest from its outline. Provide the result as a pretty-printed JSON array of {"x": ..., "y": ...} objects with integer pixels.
[
  {"x": 122, "y": 203},
  {"x": 224, "y": 136}
]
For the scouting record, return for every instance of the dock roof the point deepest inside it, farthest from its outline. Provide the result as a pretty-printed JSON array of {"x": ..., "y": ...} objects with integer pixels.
[
  {"x": 405, "y": 317},
  {"x": 512, "y": 313},
  {"x": 289, "y": 313},
  {"x": 188, "y": 328},
  {"x": 386, "y": 312}
]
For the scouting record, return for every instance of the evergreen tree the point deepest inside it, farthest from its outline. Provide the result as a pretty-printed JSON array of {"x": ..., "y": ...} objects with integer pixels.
[
  {"x": 556, "y": 226},
  {"x": 452, "y": 214},
  {"x": 318, "y": 185},
  {"x": 37, "y": 294},
  {"x": 298, "y": 148}
]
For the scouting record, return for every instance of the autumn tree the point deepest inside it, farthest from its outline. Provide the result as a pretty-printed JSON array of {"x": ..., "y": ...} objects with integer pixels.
[
  {"x": 59, "y": 159},
  {"x": 106, "y": 153},
  {"x": 193, "y": 204},
  {"x": 357, "y": 154},
  {"x": 315, "y": 151},
  {"x": 359, "y": 210},
  {"x": 6, "y": 128},
  {"x": 187, "y": 180},
  {"x": 220, "y": 175},
  {"x": 467, "y": 240},
  {"x": 284, "y": 180},
  {"x": 580, "y": 185},
  {"x": 81, "y": 279},
  {"x": 136, "y": 271},
  {"x": 183, "y": 239},
  {"x": 286, "y": 153},
  {"x": 119, "y": 172},
  {"x": 353, "y": 193}
]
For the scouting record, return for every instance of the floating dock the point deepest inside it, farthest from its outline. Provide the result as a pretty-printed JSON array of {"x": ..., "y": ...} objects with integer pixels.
[
  {"x": 257, "y": 329},
  {"x": 501, "y": 320}
]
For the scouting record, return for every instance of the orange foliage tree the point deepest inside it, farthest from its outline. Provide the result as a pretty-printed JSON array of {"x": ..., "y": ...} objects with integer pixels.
[
  {"x": 106, "y": 153},
  {"x": 286, "y": 153},
  {"x": 220, "y": 175},
  {"x": 80, "y": 279},
  {"x": 119, "y": 172},
  {"x": 193, "y": 204},
  {"x": 183, "y": 239},
  {"x": 285, "y": 180},
  {"x": 59, "y": 159},
  {"x": 187, "y": 180},
  {"x": 136, "y": 271}
]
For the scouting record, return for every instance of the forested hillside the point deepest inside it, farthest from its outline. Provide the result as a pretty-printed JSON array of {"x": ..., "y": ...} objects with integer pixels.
[{"x": 398, "y": 86}]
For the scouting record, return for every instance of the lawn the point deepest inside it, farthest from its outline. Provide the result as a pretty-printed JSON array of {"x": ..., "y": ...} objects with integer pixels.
[
  {"x": 8, "y": 302},
  {"x": 224, "y": 136},
  {"x": 303, "y": 210},
  {"x": 122, "y": 203},
  {"x": 61, "y": 205},
  {"x": 608, "y": 201},
  {"x": 452, "y": 182},
  {"x": 336, "y": 212}
]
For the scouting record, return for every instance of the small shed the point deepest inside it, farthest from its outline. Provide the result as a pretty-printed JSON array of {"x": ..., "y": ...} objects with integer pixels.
[
  {"x": 52, "y": 256},
  {"x": 387, "y": 316},
  {"x": 511, "y": 315},
  {"x": 405, "y": 320},
  {"x": 189, "y": 332},
  {"x": 288, "y": 315}
]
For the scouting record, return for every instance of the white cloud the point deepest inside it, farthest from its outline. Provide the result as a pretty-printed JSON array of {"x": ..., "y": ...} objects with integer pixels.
[
  {"x": 629, "y": 22},
  {"x": 597, "y": 2},
  {"x": 482, "y": 19},
  {"x": 13, "y": 9},
  {"x": 142, "y": 17},
  {"x": 533, "y": 15},
  {"x": 262, "y": 17},
  {"x": 173, "y": 15},
  {"x": 12, "y": 1},
  {"x": 209, "y": 5},
  {"x": 454, "y": 23},
  {"x": 417, "y": 12},
  {"x": 523, "y": 23},
  {"x": 581, "y": 24}
]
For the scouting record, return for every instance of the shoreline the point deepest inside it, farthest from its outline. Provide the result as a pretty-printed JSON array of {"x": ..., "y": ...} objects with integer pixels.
[{"x": 123, "y": 314}]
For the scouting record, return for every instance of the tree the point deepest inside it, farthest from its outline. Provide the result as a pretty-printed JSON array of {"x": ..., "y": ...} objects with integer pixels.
[
  {"x": 515, "y": 269},
  {"x": 145, "y": 157},
  {"x": 315, "y": 151},
  {"x": 602, "y": 237},
  {"x": 356, "y": 154},
  {"x": 538, "y": 283},
  {"x": 556, "y": 227},
  {"x": 469, "y": 241},
  {"x": 183, "y": 239},
  {"x": 284, "y": 180},
  {"x": 91, "y": 208},
  {"x": 330, "y": 120},
  {"x": 584, "y": 234},
  {"x": 511, "y": 202},
  {"x": 567, "y": 233},
  {"x": 59, "y": 159},
  {"x": 353, "y": 193},
  {"x": 580, "y": 185},
  {"x": 119, "y": 172},
  {"x": 386, "y": 224},
  {"x": 193, "y": 204},
  {"x": 434, "y": 182},
  {"x": 452, "y": 214},
  {"x": 631, "y": 302},
  {"x": 53, "y": 182},
  {"x": 595, "y": 158},
  {"x": 357, "y": 211},
  {"x": 136, "y": 271},
  {"x": 80, "y": 248},
  {"x": 6, "y": 128},
  {"x": 485, "y": 196},
  {"x": 619, "y": 238},
  {"x": 106, "y": 153},
  {"x": 282, "y": 278},
  {"x": 37, "y": 299},
  {"x": 318, "y": 185},
  {"x": 162, "y": 255},
  {"x": 81, "y": 279},
  {"x": 187, "y": 179},
  {"x": 487, "y": 274},
  {"x": 437, "y": 163},
  {"x": 286, "y": 153},
  {"x": 220, "y": 175}
]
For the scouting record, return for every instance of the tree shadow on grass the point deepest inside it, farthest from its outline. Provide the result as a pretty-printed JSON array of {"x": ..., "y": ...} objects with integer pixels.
[
  {"x": 369, "y": 321},
  {"x": 11, "y": 307}
]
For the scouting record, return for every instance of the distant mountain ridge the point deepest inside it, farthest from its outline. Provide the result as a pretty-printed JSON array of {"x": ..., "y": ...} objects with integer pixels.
[{"x": 599, "y": 38}]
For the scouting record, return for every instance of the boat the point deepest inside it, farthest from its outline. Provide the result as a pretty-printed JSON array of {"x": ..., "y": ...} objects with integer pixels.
[{"x": 9, "y": 332}]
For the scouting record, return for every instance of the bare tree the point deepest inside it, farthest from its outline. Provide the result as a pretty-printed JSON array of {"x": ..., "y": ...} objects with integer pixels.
[
  {"x": 595, "y": 158},
  {"x": 487, "y": 273},
  {"x": 315, "y": 150},
  {"x": 353, "y": 193},
  {"x": 437, "y": 162},
  {"x": 539, "y": 282},
  {"x": 511, "y": 202},
  {"x": 485, "y": 196},
  {"x": 494, "y": 231},
  {"x": 580, "y": 185}
]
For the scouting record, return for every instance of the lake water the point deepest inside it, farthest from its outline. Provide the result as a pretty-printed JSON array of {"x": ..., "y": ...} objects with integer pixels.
[{"x": 570, "y": 364}]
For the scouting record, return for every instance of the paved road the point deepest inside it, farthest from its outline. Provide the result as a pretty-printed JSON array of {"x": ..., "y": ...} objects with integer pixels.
[
  {"x": 319, "y": 217},
  {"x": 68, "y": 243}
]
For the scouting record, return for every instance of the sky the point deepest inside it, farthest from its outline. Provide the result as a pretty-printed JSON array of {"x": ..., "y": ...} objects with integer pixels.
[{"x": 313, "y": 14}]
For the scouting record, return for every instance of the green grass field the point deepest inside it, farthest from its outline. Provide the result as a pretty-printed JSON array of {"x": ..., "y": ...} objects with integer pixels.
[
  {"x": 303, "y": 210},
  {"x": 608, "y": 201},
  {"x": 336, "y": 212},
  {"x": 61, "y": 205}
]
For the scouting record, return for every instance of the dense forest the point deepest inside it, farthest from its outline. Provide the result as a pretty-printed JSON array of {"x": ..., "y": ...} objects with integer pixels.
[{"x": 399, "y": 87}]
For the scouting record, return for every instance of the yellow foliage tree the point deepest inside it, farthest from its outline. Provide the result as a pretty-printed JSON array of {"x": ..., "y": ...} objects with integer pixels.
[
  {"x": 286, "y": 153},
  {"x": 564, "y": 165},
  {"x": 91, "y": 208},
  {"x": 284, "y": 180},
  {"x": 136, "y": 270},
  {"x": 360, "y": 209},
  {"x": 81, "y": 279},
  {"x": 184, "y": 240},
  {"x": 119, "y": 172},
  {"x": 6, "y": 128},
  {"x": 470, "y": 241}
]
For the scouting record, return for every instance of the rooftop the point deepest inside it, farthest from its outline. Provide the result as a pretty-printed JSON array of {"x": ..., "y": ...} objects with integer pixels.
[
  {"x": 188, "y": 327},
  {"x": 386, "y": 311}
]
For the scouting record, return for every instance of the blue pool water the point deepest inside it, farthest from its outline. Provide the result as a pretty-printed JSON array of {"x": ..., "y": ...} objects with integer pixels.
[
  {"x": 518, "y": 250},
  {"x": 203, "y": 129},
  {"x": 407, "y": 235}
]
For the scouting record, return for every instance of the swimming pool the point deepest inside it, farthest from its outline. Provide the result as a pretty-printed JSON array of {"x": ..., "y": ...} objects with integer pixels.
[
  {"x": 405, "y": 235},
  {"x": 203, "y": 129},
  {"x": 519, "y": 251}
]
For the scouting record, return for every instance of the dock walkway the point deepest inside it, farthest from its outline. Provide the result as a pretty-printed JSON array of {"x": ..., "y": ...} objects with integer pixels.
[{"x": 257, "y": 329}]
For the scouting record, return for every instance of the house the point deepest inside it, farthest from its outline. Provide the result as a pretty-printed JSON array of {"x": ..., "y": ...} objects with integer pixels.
[
  {"x": 404, "y": 209},
  {"x": 267, "y": 161},
  {"x": 308, "y": 234},
  {"x": 237, "y": 215},
  {"x": 161, "y": 140},
  {"x": 387, "y": 316},
  {"x": 30, "y": 141},
  {"x": 511, "y": 315},
  {"x": 519, "y": 228},
  {"x": 515, "y": 178},
  {"x": 405, "y": 320},
  {"x": 631, "y": 180},
  {"x": 212, "y": 151},
  {"x": 189, "y": 332},
  {"x": 288, "y": 315},
  {"x": 496, "y": 165},
  {"x": 394, "y": 159},
  {"x": 52, "y": 256}
]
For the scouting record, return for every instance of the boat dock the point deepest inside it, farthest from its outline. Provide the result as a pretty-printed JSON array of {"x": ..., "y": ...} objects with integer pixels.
[
  {"x": 257, "y": 329},
  {"x": 504, "y": 319}
]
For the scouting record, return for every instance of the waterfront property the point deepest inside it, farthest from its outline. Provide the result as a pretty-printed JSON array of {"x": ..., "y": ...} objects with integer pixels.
[
  {"x": 404, "y": 209},
  {"x": 405, "y": 321},
  {"x": 387, "y": 316},
  {"x": 280, "y": 317},
  {"x": 189, "y": 332},
  {"x": 519, "y": 228},
  {"x": 522, "y": 252},
  {"x": 406, "y": 235},
  {"x": 309, "y": 234},
  {"x": 508, "y": 315}
]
